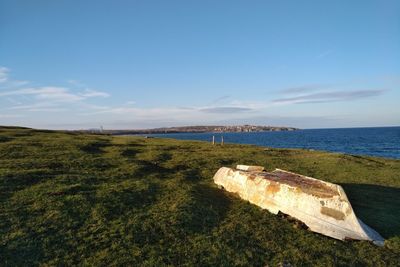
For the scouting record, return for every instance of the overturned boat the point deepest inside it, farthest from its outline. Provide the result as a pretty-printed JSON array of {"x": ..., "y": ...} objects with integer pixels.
[{"x": 322, "y": 206}]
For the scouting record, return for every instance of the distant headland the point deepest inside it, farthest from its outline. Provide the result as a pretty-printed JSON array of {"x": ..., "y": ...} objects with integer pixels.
[{"x": 197, "y": 129}]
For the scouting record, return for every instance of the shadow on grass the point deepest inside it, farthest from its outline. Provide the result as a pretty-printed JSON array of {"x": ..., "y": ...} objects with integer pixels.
[
  {"x": 4, "y": 139},
  {"x": 226, "y": 162},
  {"x": 205, "y": 210},
  {"x": 129, "y": 151},
  {"x": 189, "y": 174},
  {"x": 23, "y": 134},
  {"x": 151, "y": 167},
  {"x": 154, "y": 165},
  {"x": 24, "y": 179},
  {"x": 163, "y": 157},
  {"x": 95, "y": 147},
  {"x": 192, "y": 175},
  {"x": 113, "y": 203},
  {"x": 364, "y": 160},
  {"x": 214, "y": 198},
  {"x": 377, "y": 206}
]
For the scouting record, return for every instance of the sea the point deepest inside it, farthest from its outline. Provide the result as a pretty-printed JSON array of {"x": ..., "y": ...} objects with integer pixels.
[{"x": 374, "y": 141}]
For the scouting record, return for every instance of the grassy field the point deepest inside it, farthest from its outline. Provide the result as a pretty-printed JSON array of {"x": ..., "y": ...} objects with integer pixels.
[{"x": 76, "y": 199}]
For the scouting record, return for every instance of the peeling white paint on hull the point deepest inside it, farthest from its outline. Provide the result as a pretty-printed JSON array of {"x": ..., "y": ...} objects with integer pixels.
[{"x": 322, "y": 206}]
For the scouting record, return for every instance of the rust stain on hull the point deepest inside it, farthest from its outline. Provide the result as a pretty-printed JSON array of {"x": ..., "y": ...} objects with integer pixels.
[
  {"x": 312, "y": 187},
  {"x": 273, "y": 188},
  {"x": 337, "y": 214}
]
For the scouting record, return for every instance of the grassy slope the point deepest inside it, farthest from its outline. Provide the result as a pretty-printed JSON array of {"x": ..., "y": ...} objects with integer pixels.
[{"x": 86, "y": 199}]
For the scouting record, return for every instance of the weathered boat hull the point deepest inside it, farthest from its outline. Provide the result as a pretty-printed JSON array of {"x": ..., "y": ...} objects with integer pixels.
[{"x": 322, "y": 206}]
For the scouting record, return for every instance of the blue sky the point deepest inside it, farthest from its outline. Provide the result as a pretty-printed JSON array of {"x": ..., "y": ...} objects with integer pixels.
[{"x": 140, "y": 64}]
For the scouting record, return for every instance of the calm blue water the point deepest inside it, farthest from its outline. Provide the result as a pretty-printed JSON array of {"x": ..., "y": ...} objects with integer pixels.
[{"x": 381, "y": 142}]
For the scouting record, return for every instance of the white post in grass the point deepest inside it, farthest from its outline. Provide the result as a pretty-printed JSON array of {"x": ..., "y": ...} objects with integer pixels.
[
  {"x": 222, "y": 140},
  {"x": 213, "y": 140}
]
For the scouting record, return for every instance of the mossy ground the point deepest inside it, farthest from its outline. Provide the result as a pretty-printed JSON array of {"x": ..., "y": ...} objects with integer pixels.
[{"x": 76, "y": 199}]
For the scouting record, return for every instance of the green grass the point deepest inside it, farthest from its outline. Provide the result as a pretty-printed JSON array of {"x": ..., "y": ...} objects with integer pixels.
[{"x": 76, "y": 199}]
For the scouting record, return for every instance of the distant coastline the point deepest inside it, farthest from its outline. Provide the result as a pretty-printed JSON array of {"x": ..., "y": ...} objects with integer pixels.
[
  {"x": 371, "y": 141},
  {"x": 197, "y": 129}
]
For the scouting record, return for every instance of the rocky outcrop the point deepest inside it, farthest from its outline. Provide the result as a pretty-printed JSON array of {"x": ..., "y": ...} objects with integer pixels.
[{"x": 322, "y": 206}]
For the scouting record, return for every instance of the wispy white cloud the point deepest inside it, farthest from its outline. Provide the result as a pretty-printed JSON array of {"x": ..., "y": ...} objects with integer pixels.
[
  {"x": 6, "y": 116},
  {"x": 253, "y": 104},
  {"x": 168, "y": 114},
  {"x": 224, "y": 110},
  {"x": 52, "y": 95},
  {"x": 40, "y": 98},
  {"x": 303, "y": 89},
  {"x": 7, "y": 82},
  {"x": 220, "y": 99},
  {"x": 13, "y": 101},
  {"x": 333, "y": 96},
  {"x": 3, "y": 74},
  {"x": 226, "y": 105},
  {"x": 77, "y": 83},
  {"x": 324, "y": 54},
  {"x": 35, "y": 106},
  {"x": 142, "y": 112},
  {"x": 47, "y": 109},
  {"x": 93, "y": 93},
  {"x": 87, "y": 92},
  {"x": 128, "y": 103},
  {"x": 21, "y": 99}
]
